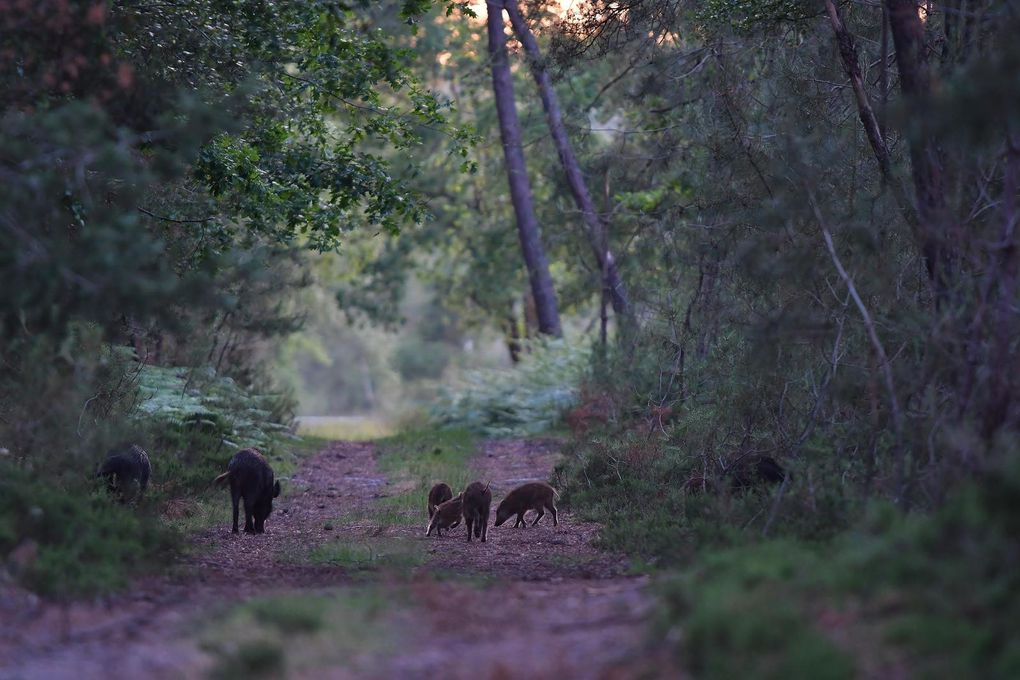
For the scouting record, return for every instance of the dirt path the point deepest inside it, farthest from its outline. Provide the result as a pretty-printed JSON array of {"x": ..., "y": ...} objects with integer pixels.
[{"x": 540, "y": 602}]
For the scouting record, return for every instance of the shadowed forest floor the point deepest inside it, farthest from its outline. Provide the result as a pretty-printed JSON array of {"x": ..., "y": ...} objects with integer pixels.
[{"x": 345, "y": 584}]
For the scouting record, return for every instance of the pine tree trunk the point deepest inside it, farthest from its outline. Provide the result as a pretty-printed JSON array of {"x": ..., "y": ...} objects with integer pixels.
[
  {"x": 596, "y": 228},
  {"x": 517, "y": 173},
  {"x": 873, "y": 126},
  {"x": 512, "y": 327},
  {"x": 925, "y": 159}
]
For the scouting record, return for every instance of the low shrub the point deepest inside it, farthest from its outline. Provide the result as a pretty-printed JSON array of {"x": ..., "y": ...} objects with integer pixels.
[
  {"x": 527, "y": 399},
  {"x": 938, "y": 594},
  {"x": 72, "y": 539}
]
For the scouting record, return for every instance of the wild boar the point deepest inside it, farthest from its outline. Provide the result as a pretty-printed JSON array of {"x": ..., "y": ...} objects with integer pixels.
[
  {"x": 477, "y": 501},
  {"x": 446, "y": 516},
  {"x": 751, "y": 471},
  {"x": 440, "y": 493},
  {"x": 126, "y": 466},
  {"x": 531, "y": 496},
  {"x": 250, "y": 478}
]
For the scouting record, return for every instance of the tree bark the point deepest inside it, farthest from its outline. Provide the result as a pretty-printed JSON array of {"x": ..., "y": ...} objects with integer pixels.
[
  {"x": 517, "y": 174},
  {"x": 925, "y": 159},
  {"x": 596, "y": 228},
  {"x": 513, "y": 333},
  {"x": 873, "y": 127}
]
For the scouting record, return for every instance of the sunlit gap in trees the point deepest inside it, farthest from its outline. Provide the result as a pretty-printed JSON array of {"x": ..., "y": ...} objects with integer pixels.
[{"x": 561, "y": 8}]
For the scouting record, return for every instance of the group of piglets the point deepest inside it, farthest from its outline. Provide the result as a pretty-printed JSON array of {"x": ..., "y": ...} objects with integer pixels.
[{"x": 472, "y": 504}]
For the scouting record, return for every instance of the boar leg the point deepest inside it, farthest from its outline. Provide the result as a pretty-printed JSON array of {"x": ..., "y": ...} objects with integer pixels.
[
  {"x": 520, "y": 520},
  {"x": 541, "y": 514},
  {"x": 469, "y": 522},
  {"x": 235, "y": 496},
  {"x": 485, "y": 525},
  {"x": 552, "y": 509},
  {"x": 249, "y": 516}
]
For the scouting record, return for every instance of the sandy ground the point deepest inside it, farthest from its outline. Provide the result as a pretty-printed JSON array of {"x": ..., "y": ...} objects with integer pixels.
[{"x": 539, "y": 602}]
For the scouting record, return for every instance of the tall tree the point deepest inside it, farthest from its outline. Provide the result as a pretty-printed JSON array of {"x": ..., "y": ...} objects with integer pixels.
[
  {"x": 597, "y": 230},
  {"x": 925, "y": 157},
  {"x": 517, "y": 174}
]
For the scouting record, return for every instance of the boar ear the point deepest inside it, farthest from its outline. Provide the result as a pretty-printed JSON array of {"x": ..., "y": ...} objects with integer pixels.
[{"x": 276, "y": 489}]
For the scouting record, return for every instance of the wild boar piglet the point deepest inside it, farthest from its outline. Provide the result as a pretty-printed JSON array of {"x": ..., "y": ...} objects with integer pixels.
[
  {"x": 440, "y": 493},
  {"x": 447, "y": 515},
  {"x": 531, "y": 496},
  {"x": 477, "y": 501}
]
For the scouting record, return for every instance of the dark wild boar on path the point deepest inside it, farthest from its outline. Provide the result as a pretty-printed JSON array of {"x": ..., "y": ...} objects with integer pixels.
[
  {"x": 477, "y": 500},
  {"x": 126, "y": 466},
  {"x": 440, "y": 493},
  {"x": 531, "y": 496},
  {"x": 251, "y": 478},
  {"x": 447, "y": 515}
]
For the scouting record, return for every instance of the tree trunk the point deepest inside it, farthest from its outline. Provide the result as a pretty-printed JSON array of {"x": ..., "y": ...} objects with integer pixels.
[
  {"x": 873, "y": 127},
  {"x": 925, "y": 159},
  {"x": 517, "y": 173},
  {"x": 513, "y": 333},
  {"x": 596, "y": 228}
]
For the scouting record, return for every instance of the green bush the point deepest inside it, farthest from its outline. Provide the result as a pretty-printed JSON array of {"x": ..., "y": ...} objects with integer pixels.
[
  {"x": 527, "y": 399},
  {"x": 83, "y": 542},
  {"x": 421, "y": 359},
  {"x": 941, "y": 590},
  {"x": 745, "y": 614},
  {"x": 200, "y": 403}
]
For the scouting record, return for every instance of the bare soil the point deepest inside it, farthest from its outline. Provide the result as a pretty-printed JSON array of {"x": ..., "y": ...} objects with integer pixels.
[{"x": 536, "y": 602}]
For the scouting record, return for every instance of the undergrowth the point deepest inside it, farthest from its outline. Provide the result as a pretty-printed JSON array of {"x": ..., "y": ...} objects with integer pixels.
[
  {"x": 74, "y": 540},
  {"x": 811, "y": 578},
  {"x": 527, "y": 399},
  {"x": 938, "y": 594},
  {"x": 61, "y": 534}
]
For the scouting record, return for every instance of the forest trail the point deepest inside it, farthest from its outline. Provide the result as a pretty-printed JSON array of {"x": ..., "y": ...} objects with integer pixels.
[{"x": 539, "y": 602}]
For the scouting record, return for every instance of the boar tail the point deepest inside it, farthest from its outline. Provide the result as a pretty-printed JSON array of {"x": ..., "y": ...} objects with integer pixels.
[{"x": 222, "y": 479}]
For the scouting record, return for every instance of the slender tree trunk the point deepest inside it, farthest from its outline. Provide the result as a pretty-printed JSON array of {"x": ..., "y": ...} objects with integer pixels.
[
  {"x": 513, "y": 333},
  {"x": 883, "y": 75},
  {"x": 517, "y": 173},
  {"x": 530, "y": 318},
  {"x": 596, "y": 228},
  {"x": 873, "y": 126},
  {"x": 925, "y": 159}
]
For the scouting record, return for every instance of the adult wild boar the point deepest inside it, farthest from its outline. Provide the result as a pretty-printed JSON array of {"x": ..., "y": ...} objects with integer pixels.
[
  {"x": 751, "y": 471},
  {"x": 127, "y": 471},
  {"x": 251, "y": 479}
]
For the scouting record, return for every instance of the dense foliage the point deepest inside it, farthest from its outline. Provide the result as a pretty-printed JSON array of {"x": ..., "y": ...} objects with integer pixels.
[{"x": 164, "y": 167}]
